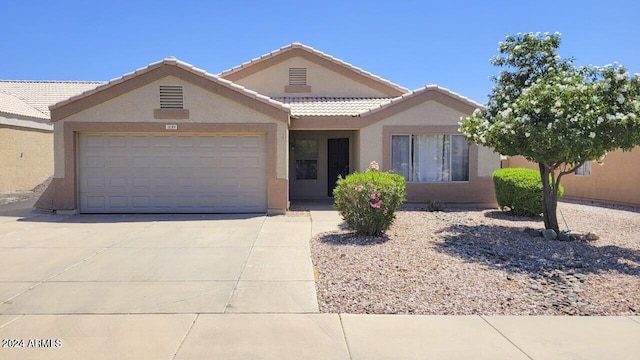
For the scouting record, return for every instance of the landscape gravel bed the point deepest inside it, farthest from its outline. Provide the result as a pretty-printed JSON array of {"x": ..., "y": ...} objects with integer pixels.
[{"x": 473, "y": 261}]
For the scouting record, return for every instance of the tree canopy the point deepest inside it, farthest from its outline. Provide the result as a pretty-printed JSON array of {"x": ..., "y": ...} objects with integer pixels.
[{"x": 554, "y": 113}]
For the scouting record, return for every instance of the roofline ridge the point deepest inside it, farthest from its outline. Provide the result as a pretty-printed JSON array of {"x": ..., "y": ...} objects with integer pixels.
[
  {"x": 299, "y": 45},
  {"x": 183, "y": 65},
  {"x": 418, "y": 91},
  {"x": 24, "y": 101},
  {"x": 55, "y": 81}
]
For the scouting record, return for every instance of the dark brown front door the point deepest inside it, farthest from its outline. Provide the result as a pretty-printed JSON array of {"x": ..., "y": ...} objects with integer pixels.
[{"x": 338, "y": 159}]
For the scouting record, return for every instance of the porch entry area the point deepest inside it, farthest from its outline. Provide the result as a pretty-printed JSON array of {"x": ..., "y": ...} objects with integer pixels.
[{"x": 316, "y": 159}]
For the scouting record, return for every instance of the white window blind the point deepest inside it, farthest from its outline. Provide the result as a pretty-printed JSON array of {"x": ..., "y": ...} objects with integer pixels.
[{"x": 430, "y": 157}]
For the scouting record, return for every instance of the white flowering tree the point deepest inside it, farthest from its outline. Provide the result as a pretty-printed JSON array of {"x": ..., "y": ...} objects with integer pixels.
[{"x": 553, "y": 113}]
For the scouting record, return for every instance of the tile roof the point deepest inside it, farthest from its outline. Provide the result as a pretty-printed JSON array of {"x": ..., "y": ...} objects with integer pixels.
[
  {"x": 39, "y": 95},
  {"x": 297, "y": 45},
  {"x": 330, "y": 106},
  {"x": 431, "y": 87},
  {"x": 182, "y": 65},
  {"x": 10, "y": 104},
  {"x": 342, "y": 106}
]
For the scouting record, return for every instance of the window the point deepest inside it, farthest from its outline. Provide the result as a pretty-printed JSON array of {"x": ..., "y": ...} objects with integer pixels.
[
  {"x": 584, "y": 169},
  {"x": 171, "y": 97},
  {"x": 430, "y": 158},
  {"x": 306, "y": 155},
  {"x": 297, "y": 76}
]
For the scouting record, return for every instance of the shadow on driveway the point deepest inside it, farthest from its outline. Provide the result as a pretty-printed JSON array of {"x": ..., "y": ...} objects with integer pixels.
[{"x": 25, "y": 212}]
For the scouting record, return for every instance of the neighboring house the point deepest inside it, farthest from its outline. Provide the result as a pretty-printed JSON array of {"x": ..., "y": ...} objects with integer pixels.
[
  {"x": 26, "y": 135},
  {"x": 614, "y": 181},
  {"x": 173, "y": 138}
]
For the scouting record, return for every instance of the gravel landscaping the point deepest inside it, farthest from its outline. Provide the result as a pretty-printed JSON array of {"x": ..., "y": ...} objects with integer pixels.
[
  {"x": 14, "y": 197},
  {"x": 472, "y": 261}
]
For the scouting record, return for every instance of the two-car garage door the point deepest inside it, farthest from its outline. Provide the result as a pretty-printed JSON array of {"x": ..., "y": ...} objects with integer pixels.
[{"x": 158, "y": 173}]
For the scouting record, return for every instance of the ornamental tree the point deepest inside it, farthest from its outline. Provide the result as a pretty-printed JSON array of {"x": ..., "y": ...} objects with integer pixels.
[{"x": 553, "y": 113}]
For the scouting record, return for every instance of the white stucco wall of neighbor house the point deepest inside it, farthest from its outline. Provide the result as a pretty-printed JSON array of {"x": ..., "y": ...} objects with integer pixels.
[{"x": 26, "y": 155}]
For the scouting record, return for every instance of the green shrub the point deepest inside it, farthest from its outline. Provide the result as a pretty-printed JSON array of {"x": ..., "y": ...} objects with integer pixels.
[
  {"x": 368, "y": 201},
  {"x": 519, "y": 191}
]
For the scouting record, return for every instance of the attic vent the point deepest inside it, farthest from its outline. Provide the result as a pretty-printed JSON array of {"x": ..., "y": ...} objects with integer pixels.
[
  {"x": 171, "y": 97},
  {"x": 297, "y": 76}
]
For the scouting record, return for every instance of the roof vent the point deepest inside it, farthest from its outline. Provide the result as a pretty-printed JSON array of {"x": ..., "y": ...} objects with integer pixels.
[
  {"x": 297, "y": 76},
  {"x": 171, "y": 97}
]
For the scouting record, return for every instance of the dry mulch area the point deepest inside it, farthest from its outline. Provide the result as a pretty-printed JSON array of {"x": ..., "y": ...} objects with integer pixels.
[{"x": 472, "y": 261}]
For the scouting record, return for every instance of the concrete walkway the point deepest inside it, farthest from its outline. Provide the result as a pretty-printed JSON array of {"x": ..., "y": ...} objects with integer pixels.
[{"x": 232, "y": 287}]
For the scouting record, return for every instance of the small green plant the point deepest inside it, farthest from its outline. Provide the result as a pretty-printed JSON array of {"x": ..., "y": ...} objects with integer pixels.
[
  {"x": 519, "y": 191},
  {"x": 368, "y": 201}
]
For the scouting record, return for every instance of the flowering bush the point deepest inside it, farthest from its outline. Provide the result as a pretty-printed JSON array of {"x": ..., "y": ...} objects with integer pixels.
[
  {"x": 555, "y": 113},
  {"x": 368, "y": 201}
]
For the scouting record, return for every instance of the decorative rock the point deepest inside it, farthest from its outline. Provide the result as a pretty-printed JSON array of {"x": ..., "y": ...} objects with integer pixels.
[
  {"x": 532, "y": 232},
  {"x": 549, "y": 234},
  {"x": 592, "y": 237},
  {"x": 563, "y": 236}
]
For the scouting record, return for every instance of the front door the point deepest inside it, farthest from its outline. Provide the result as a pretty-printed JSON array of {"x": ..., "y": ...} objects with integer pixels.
[{"x": 338, "y": 161}]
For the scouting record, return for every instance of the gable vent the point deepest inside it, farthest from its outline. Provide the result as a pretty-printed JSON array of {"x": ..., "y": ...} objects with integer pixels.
[
  {"x": 297, "y": 76},
  {"x": 171, "y": 97}
]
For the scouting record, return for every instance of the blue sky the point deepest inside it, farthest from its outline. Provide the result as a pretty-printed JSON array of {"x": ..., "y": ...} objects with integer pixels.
[{"x": 412, "y": 43}]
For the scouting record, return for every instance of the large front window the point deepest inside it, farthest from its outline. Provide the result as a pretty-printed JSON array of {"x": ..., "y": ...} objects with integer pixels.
[{"x": 430, "y": 158}]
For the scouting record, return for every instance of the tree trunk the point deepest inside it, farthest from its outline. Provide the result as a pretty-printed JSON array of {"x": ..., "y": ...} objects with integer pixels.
[{"x": 550, "y": 198}]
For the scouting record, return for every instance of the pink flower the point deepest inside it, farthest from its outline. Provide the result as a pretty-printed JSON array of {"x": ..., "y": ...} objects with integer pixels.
[
  {"x": 377, "y": 205},
  {"x": 373, "y": 196},
  {"x": 385, "y": 211},
  {"x": 371, "y": 185},
  {"x": 378, "y": 194},
  {"x": 359, "y": 188},
  {"x": 374, "y": 166}
]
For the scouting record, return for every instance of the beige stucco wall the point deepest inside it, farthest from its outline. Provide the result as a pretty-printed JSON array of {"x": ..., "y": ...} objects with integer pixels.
[
  {"x": 488, "y": 161},
  {"x": 616, "y": 181},
  {"x": 428, "y": 113},
  {"x": 26, "y": 158},
  {"x": 355, "y": 165},
  {"x": 306, "y": 189},
  {"x": 324, "y": 82},
  {"x": 203, "y": 106},
  {"x": 431, "y": 117}
]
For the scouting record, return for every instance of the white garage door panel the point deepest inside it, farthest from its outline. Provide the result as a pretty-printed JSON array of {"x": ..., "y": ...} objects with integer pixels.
[{"x": 172, "y": 173}]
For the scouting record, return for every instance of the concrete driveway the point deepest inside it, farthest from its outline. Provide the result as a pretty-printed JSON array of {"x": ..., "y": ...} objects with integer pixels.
[{"x": 154, "y": 264}]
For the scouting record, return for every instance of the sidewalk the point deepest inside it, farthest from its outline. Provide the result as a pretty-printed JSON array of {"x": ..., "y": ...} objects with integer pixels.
[{"x": 322, "y": 336}]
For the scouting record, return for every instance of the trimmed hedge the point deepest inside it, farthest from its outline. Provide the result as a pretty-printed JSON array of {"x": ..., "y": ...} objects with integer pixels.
[
  {"x": 368, "y": 201},
  {"x": 519, "y": 191}
]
